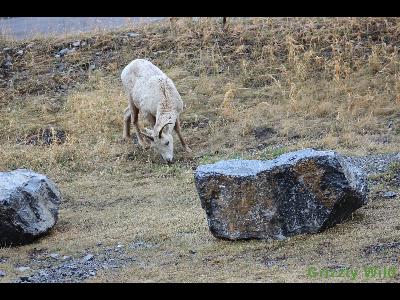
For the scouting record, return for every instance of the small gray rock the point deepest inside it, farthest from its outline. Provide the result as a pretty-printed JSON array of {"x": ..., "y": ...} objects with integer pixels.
[
  {"x": 63, "y": 52},
  {"x": 8, "y": 64},
  {"x": 389, "y": 194},
  {"x": 20, "y": 52},
  {"x": 54, "y": 255},
  {"x": 132, "y": 34},
  {"x": 92, "y": 273},
  {"x": 23, "y": 269},
  {"x": 140, "y": 244},
  {"x": 88, "y": 257},
  {"x": 2, "y": 273},
  {"x": 66, "y": 257},
  {"x": 76, "y": 44},
  {"x": 24, "y": 278},
  {"x": 7, "y": 49}
]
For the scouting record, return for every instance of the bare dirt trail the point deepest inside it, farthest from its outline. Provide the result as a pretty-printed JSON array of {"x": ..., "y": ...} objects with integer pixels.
[{"x": 27, "y": 27}]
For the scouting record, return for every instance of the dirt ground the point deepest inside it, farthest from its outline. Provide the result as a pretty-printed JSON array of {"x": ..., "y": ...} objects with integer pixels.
[{"x": 254, "y": 90}]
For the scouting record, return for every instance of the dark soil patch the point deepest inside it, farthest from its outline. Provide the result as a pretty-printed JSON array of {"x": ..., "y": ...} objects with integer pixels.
[
  {"x": 263, "y": 133},
  {"x": 380, "y": 247},
  {"x": 45, "y": 136}
]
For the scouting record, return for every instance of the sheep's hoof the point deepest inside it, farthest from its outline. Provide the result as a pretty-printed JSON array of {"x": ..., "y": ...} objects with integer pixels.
[{"x": 123, "y": 140}]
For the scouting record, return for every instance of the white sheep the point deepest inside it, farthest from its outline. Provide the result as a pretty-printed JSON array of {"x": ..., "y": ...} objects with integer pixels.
[{"x": 155, "y": 96}]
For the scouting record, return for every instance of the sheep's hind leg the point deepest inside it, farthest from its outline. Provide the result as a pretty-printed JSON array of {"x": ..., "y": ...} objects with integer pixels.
[{"x": 127, "y": 124}]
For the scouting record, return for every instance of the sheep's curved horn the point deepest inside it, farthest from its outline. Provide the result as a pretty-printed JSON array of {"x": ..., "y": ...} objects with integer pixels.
[
  {"x": 147, "y": 135},
  {"x": 160, "y": 132}
]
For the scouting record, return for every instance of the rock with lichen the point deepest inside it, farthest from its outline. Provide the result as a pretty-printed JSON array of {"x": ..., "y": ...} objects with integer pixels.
[{"x": 306, "y": 191}]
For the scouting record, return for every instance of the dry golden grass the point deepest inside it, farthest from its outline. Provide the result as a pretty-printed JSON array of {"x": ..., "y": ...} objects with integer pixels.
[{"x": 330, "y": 83}]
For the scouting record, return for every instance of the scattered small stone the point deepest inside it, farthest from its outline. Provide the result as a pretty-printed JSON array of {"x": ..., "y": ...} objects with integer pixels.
[
  {"x": 337, "y": 267},
  {"x": 92, "y": 67},
  {"x": 23, "y": 269},
  {"x": 30, "y": 45},
  {"x": 2, "y": 273},
  {"x": 99, "y": 244},
  {"x": 78, "y": 269},
  {"x": 76, "y": 44},
  {"x": 389, "y": 194},
  {"x": 7, "y": 64},
  {"x": 73, "y": 267},
  {"x": 379, "y": 247},
  {"x": 46, "y": 136},
  {"x": 63, "y": 52},
  {"x": 159, "y": 52},
  {"x": 7, "y": 49},
  {"x": 60, "y": 67},
  {"x": 192, "y": 252},
  {"x": 140, "y": 244},
  {"x": 88, "y": 257},
  {"x": 20, "y": 52},
  {"x": 120, "y": 246},
  {"x": 132, "y": 34},
  {"x": 24, "y": 278},
  {"x": 83, "y": 43},
  {"x": 57, "y": 56},
  {"x": 54, "y": 255}
]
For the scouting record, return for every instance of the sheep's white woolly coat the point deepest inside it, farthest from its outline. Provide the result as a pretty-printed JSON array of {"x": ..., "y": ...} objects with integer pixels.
[{"x": 152, "y": 92}]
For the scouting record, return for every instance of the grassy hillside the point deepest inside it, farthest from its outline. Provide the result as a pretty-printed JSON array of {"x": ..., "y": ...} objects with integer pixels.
[{"x": 259, "y": 88}]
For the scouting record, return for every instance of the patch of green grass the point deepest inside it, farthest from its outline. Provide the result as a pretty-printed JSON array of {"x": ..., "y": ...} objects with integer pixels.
[
  {"x": 394, "y": 167},
  {"x": 269, "y": 153},
  {"x": 385, "y": 177}
]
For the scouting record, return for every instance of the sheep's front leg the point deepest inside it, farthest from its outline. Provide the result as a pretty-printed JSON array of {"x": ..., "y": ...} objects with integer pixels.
[
  {"x": 134, "y": 118},
  {"x": 177, "y": 128}
]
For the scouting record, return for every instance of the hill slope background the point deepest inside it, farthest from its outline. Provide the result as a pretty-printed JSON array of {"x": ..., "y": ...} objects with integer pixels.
[{"x": 257, "y": 89}]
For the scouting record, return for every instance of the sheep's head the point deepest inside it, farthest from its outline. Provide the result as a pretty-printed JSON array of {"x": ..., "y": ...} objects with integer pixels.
[{"x": 161, "y": 141}]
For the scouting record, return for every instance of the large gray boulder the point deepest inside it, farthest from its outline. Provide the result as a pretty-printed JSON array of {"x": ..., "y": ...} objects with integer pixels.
[
  {"x": 29, "y": 205},
  {"x": 305, "y": 191}
]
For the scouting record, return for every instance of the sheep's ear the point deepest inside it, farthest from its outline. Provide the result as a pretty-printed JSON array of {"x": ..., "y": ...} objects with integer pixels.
[{"x": 161, "y": 130}]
